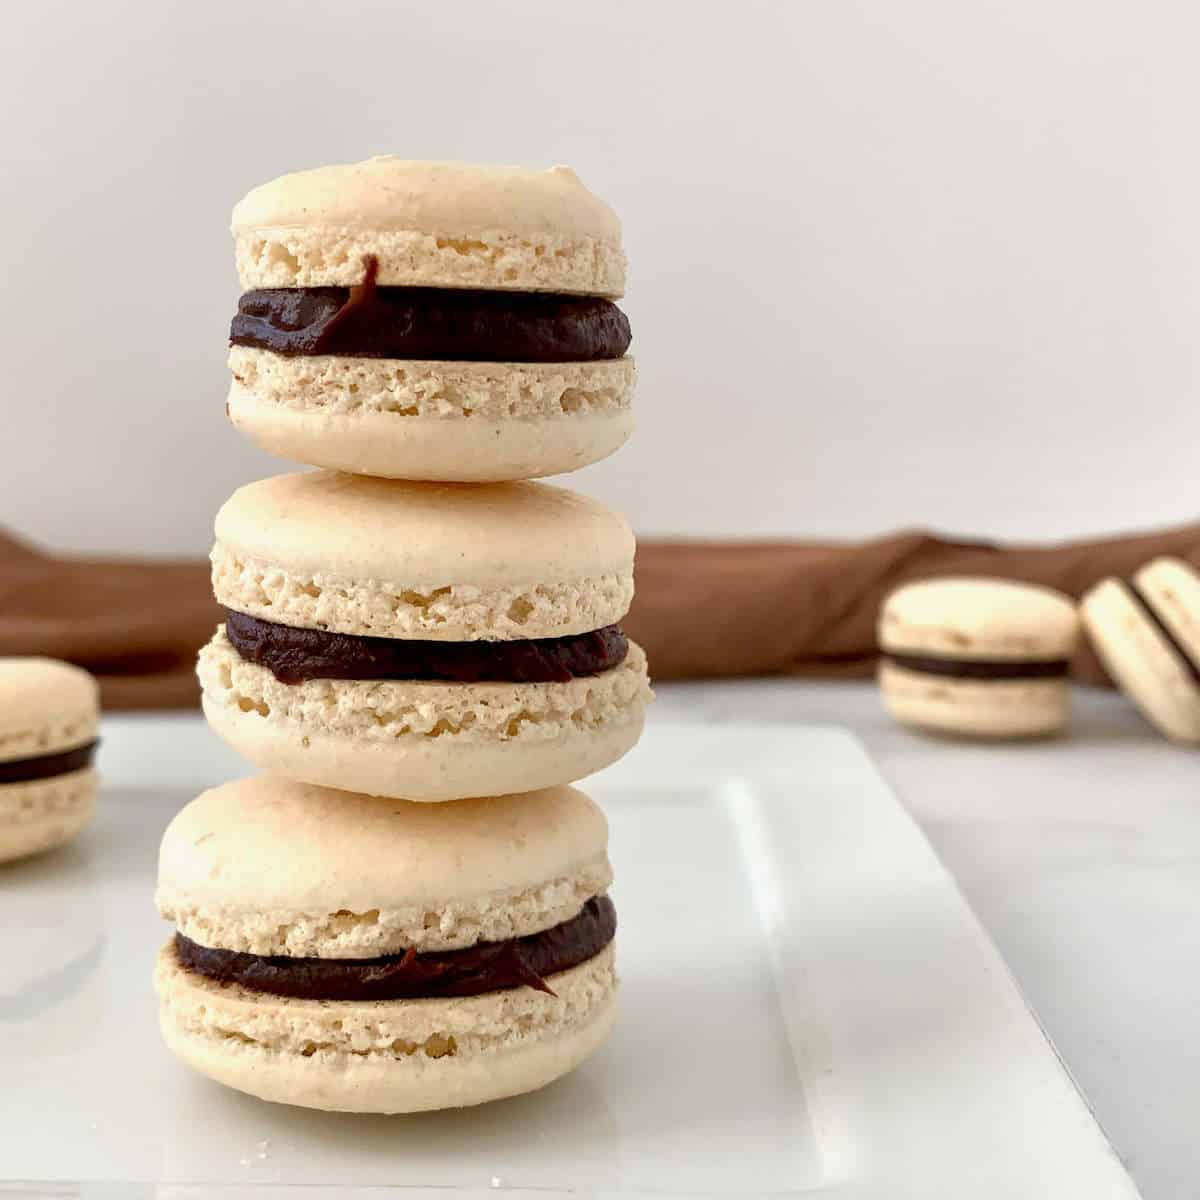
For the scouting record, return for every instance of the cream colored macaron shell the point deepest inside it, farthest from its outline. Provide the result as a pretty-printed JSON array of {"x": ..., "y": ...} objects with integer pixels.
[
  {"x": 995, "y": 709},
  {"x": 346, "y": 877},
  {"x": 272, "y": 867},
  {"x": 398, "y": 1057},
  {"x": 47, "y": 708},
  {"x": 977, "y": 618},
  {"x": 46, "y": 813},
  {"x": 445, "y": 421},
  {"x": 377, "y": 558},
  {"x": 1156, "y": 663},
  {"x": 424, "y": 741},
  {"x": 977, "y": 657},
  {"x": 430, "y": 224}
]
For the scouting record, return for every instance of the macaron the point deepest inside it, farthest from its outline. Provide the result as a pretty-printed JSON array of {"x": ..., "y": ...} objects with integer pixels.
[
  {"x": 338, "y": 952},
  {"x": 422, "y": 641},
  {"x": 978, "y": 657},
  {"x": 1146, "y": 631},
  {"x": 431, "y": 320},
  {"x": 49, "y": 711}
]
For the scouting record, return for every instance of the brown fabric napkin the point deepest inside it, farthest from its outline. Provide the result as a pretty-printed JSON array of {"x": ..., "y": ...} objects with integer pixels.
[
  {"x": 135, "y": 624},
  {"x": 707, "y": 610},
  {"x": 703, "y": 609}
]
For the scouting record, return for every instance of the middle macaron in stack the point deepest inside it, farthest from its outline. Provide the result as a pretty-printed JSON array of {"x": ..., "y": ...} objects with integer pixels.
[{"x": 423, "y": 641}]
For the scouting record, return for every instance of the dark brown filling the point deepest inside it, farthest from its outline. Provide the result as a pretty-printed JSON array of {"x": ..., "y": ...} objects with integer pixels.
[
  {"x": 294, "y": 655},
  {"x": 488, "y": 967},
  {"x": 974, "y": 668},
  {"x": 367, "y": 321},
  {"x": 1144, "y": 603},
  {"x": 46, "y": 766}
]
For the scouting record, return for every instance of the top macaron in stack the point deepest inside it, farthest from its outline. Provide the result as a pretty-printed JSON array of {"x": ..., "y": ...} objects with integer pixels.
[
  {"x": 431, "y": 321},
  {"x": 456, "y": 637}
]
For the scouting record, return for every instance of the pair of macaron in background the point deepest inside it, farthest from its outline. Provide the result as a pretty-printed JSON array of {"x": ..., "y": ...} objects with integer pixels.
[
  {"x": 991, "y": 658},
  {"x": 49, "y": 714}
]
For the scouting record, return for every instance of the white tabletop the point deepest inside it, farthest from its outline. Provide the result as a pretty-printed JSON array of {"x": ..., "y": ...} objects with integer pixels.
[{"x": 1081, "y": 856}]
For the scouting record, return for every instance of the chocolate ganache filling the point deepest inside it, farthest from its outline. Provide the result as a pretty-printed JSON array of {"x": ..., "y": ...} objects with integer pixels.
[
  {"x": 975, "y": 668},
  {"x": 487, "y": 967},
  {"x": 448, "y": 324},
  {"x": 47, "y": 766},
  {"x": 295, "y": 655}
]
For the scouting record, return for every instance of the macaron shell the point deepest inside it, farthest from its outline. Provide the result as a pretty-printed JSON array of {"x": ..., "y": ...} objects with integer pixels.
[
  {"x": 421, "y": 389},
  {"x": 424, "y": 534},
  {"x": 388, "y": 192},
  {"x": 266, "y": 865},
  {"x": 419, "y": 772},
  {"x": 975, "y": 618},
  {"x": 389, "y": 444},
  {"x": 439, "y": 224},
  {"x": 393, "y": 1057},
  {"x": 1140, "y": 660},
  {"x": 448, "y": 562},
  {"x": 45, "y": 813},
  {"x": 45, "y": 706},
  {"x": 973, "y": 708},
  {"x": 425, "y": 741}
]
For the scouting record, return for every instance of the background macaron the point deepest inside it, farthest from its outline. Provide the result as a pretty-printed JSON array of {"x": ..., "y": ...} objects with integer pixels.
[
  {"x": 980, "y": 657},
  {"x": 474, "y": 337},
  {"x": 337, "y": 952},
  {"x": 49, "y": 712},
  {"x": 422, "y": 641},
  {"x": 1146, "y": 631}
]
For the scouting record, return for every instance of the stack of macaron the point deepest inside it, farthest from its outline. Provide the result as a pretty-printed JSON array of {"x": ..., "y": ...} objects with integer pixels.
[
  {"x": 408, "y": 910},
  {"x": 990, "y": 658}
]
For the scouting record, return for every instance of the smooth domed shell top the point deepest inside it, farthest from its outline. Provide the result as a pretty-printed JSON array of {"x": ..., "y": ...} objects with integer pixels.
[
  {"x": 45, "y": 706},
  {"x": 979, "y": 618},
  {"x": 389, "y": 193},
  {"x": 270, "y": 844},
  {"x": 424, "y": 534}
]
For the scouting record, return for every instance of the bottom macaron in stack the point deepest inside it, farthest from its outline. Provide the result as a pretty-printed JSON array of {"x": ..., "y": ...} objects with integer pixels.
[
  {"x": 1146, "y": 631},
  {"x": 977, "y": 657},
  {"x": 48, "y": 717},
  {"x": 340, "y": 952}
]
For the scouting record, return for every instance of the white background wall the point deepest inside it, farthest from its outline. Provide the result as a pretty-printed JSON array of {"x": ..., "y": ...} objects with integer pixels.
[{"x": 892, "y": 263}]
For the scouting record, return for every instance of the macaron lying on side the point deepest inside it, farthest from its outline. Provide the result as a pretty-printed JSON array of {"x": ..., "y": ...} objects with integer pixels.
[
  {"x": 431, "y": 320},
  {"x": 977, "y": 657},
  {"x": 1146, "y": 631},
  {"x": 423, "y": 641},
  {"x": 49, "y": 712},
  {"x": 340, "y": 952}
]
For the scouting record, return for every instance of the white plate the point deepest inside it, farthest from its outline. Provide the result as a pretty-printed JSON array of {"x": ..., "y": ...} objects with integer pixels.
[{"x": 808, "y": 1006}]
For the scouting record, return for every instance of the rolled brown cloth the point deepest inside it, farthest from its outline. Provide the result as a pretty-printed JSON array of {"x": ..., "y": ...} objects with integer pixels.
[
  {"x": 722, "y": 609},
  {"x": 135, "y": 624},
  {"x": 703, "y": 609}
]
